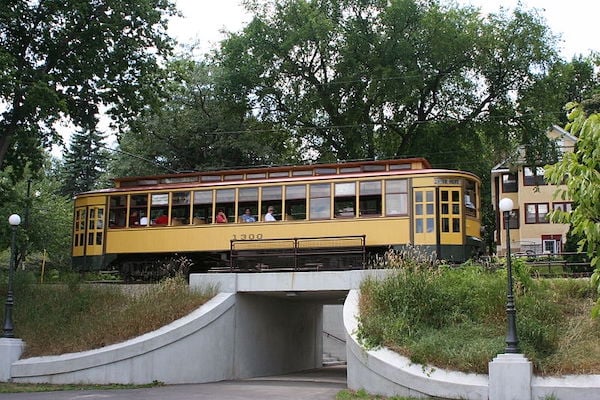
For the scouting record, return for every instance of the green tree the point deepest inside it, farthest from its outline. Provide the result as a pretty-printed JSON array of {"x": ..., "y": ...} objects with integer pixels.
[
  {"x": 67, "y": 59},
  {"x": 362, "y": 79},
  {"x": 46, "y": 216},
  {"x": 85, "y": 163},
  {"x": 542, "y": 104},
  {"x": 580, "y": 171},
  {"x": 198, "y": 126}
]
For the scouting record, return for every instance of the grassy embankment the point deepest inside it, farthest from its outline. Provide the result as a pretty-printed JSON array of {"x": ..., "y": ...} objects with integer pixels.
[
  {"x": 63, "y": 318},
  {"x": 456, "y": 317}
]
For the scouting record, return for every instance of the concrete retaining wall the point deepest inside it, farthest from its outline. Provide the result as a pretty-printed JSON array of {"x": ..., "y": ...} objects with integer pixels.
[
  {"x": 189, "y": 350},
  {"x": 387, "y": 373},
  {"x": 233, "y": 336}
]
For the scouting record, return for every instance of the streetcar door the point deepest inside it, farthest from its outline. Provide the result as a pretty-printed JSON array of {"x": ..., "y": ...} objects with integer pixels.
[
  {"x": 79, "y": 225},
  {"x": 424, "y": 228},
  {"x": 450, "y": 220},
  {"x": 88, "y": 231}
]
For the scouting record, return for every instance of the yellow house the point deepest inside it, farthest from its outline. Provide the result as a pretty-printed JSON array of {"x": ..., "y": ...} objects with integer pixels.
[{"x": 530, "y": 230}]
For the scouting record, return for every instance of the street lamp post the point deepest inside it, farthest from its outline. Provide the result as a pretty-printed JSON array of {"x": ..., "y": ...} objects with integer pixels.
[
  {"x": 512, "y": 342},
  {"x": 14, "y": 221}
]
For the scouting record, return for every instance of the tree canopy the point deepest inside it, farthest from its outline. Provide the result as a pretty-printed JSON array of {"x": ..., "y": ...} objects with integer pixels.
[
  {"x": 363, "y": 79},
  {"x": 198, "y": 125},
  {"x": 84, "y": 163},
  {"x": 66, "y": 59},
  {"x": 580, "y": 171}
]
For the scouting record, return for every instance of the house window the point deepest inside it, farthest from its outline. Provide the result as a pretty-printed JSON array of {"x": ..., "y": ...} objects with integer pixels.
[
  {"x": 510, "y": 183},
  {"x": 536, "y": 213},
  {"x": 514, "y": 220},
  {"x": 563, "y": 206},
  {"x": 533, "y": 176}
]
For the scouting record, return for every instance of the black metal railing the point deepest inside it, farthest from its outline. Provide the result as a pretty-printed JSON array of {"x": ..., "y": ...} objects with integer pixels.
[
  {"x": 331, "y": 335},
  {"x": 309, "y": 253}
]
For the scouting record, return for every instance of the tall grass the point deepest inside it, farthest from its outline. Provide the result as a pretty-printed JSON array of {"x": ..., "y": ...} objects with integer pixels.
[
  {"x": 455, "y": 318},
  {"x": 70, "y": 317}
]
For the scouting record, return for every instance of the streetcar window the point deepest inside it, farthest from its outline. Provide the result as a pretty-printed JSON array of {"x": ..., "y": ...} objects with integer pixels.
[
  {"x": 210, "y": 178},
  {"x": 395, "y": 167},
  {"x": 302, "y": 172},
  {"x": 295, "y": 202},
  {"x": 344, "y": 202},
  {"x": 374, "y": 167},
  {"x": 320, "y": 201},
  {"x": 138, "y": 210},
  {"x": 419, "y": 225},
  {"x": 159, "y": 209},
  {"x": 325, "y": 171},
  {"x": 180, "y": 208},
  {"x": 180, "y": 179},
  {"x": 450, "y": 210},
  {"x": 370, "y": 199},
  {"x": 95, "y": 225},
  {"x": 225, "y": 200},
  {"x": 471, "y": 198},
  {"x": 281, "y": 174},
  {"x": 396, "y": 197},
  {"x": 256, "y": 176},
  {"x": 100, "y": 220},
  {"x": 424, "y": 211},
  {"x": 349, "y": 170},
  {"x": 79, "y": 227},
  {"x": 202, "y": 212},
  {"x": 237, "y": 177},
  {"x": 271, "y": 197},
  {"x": 248, "y": 198},
  {"x": 117, "y": 213}
]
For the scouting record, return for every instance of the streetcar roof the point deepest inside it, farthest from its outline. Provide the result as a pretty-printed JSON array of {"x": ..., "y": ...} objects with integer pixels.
[{"x": 262, "y": 175}]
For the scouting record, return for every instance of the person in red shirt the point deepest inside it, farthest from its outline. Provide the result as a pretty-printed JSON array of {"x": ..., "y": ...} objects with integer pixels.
[
  {"x": 221, "y": 217},
  {"x": 162, "y": 219}
]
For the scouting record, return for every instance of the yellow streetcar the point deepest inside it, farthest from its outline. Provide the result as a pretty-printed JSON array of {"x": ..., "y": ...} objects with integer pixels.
[{"x": 304, "y": 216}]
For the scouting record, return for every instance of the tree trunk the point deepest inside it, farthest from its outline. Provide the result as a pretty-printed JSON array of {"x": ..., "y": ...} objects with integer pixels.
[{"x": 4, "y": 143}]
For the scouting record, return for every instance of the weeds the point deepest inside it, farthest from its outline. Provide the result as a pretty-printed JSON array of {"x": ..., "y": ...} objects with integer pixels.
[
  {"x": 407, "y": 257},
  {"x": 363, "y": 395},
  {"x": 455, "y": 318},
  {"x": 71, "y": 317}
]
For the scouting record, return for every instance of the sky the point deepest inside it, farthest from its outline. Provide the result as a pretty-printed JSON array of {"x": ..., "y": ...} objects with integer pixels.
[{"x": 578, "y": 22}]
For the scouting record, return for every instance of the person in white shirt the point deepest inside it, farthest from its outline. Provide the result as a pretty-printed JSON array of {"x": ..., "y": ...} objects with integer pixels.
[{"x": 269, "y": 215}]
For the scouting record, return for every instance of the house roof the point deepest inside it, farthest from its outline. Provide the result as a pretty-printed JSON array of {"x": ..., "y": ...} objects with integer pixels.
[{"x": 555, "y": 133}]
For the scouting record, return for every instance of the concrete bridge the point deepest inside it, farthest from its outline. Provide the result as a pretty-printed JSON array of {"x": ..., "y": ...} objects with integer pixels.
[
  {"x": 262, "y": 324},
  {"x": 258, "y": 324}
]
